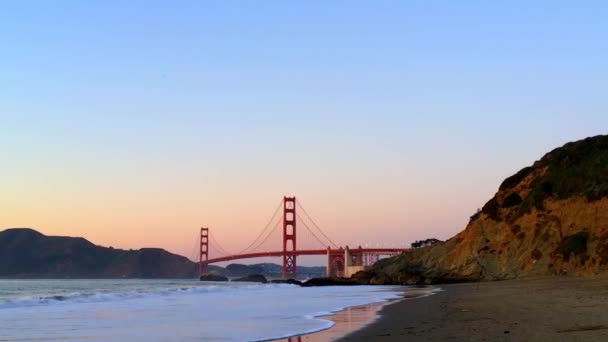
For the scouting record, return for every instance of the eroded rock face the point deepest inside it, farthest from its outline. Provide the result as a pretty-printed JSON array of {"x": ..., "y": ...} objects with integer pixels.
[
  {"x": 381, "y": 279},
  {"x": 363, "y": 277},
  {"x": 568, "y": 237},
  {"x": 548, "y": 219},
  {"x": 372, "y": 277}
]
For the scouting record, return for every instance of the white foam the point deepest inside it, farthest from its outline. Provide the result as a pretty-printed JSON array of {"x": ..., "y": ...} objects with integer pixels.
[{"x": 196, "y": 313}]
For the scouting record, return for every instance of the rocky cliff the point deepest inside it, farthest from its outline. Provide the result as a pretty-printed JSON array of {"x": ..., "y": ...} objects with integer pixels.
[{"x": 548, "y": 219}]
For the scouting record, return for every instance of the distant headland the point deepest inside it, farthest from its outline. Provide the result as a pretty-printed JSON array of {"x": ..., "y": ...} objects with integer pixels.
[{"x": 27, "y": 253}]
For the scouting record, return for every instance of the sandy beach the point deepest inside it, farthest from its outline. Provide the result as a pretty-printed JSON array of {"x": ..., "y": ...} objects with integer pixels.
[
  {"x": 542, "y": 309},
  {"x": 355, "y": 318},
  {"x": 346, "y": 321}
]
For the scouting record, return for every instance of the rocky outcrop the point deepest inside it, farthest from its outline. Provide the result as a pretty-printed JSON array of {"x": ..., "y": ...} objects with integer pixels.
[
  {"x": 253, "y": 278},
  {"x": 213, "y": 277},
  {"x": 330, "y": 281},
  {"x": 548, "y": 219},
  {"x": 290, "y": 281},
  {"x": 372, "y": 277}
]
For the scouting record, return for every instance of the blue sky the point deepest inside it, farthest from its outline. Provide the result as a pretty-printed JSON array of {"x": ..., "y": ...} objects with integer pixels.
[{"x": 408, "y": 113}]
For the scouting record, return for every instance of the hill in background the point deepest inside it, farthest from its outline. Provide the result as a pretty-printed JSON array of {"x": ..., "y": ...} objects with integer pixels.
[{"x": 26, "y": 253}]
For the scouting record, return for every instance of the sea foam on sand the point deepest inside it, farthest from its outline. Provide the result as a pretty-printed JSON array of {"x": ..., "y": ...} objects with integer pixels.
[{"x": 218, "y": 312}]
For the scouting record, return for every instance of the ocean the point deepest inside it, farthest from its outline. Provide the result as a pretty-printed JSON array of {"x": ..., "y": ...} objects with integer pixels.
[{"x": 171, "y": 310}]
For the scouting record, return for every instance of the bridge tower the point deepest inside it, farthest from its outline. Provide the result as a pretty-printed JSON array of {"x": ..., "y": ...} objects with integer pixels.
[
  {"x": 204, "y": 252},
  {"x": 289, "y": 235}
]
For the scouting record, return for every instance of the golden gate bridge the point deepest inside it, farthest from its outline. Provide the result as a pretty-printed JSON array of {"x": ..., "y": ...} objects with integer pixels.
[{"x": 311, "y": 240}]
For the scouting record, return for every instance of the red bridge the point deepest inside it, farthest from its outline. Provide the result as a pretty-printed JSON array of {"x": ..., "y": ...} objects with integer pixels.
[{"x": 341, "y": 261}]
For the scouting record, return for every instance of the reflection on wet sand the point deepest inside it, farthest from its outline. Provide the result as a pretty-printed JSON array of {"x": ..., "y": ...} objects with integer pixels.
[
  {"x": 345, "y": 321},
  {"x": 357, "y": 317}
]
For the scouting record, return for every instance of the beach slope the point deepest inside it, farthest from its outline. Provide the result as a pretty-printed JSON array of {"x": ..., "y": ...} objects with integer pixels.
[{"x": 541, "y": 309}]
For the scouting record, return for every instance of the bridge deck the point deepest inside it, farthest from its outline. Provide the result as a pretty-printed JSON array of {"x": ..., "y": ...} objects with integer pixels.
[{"x": 354, "y": 251}]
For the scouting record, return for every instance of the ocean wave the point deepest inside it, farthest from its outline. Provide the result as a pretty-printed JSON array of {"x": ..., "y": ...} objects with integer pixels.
[
  {"x": 138, "y": 310},
  {"x": 100, "y": 295}
]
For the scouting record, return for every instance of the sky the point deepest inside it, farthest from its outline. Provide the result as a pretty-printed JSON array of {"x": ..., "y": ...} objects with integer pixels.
[{"x": 135, "y": 123}]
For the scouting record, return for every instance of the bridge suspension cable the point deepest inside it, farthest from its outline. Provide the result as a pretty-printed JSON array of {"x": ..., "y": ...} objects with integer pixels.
[
  {"x": 214, "y": 252},
  {"x": 310, "y": 231},
  {"x": 270, "y": 232},
  {"x": 195, "y": 249},
  {"x": 331, "y": 243},
  {"x": 217, "y": 246},
  {"x": 314, "y": 241},
  {"x": 265, "y": 228}
]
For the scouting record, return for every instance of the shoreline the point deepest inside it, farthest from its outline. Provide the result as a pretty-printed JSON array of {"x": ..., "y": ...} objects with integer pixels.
[
  {"x": 534, "y": 309},
  {"x": 344, "y": 322},
  {"x": 356, "y": 318}
]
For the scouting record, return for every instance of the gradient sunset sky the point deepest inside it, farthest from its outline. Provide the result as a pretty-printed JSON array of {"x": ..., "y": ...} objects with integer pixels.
[{"x": 135, "y": 123}]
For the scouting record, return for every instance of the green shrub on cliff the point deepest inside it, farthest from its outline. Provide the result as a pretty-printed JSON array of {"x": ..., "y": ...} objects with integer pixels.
[
  {"x": 512, "y": 200},
  {"x": 576, "y": 169},
  {"x": 424, "y": 243},
  {"x": 573, "y": 244}
]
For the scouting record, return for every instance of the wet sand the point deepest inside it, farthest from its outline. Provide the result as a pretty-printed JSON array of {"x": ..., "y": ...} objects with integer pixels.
[
  {"x": 543, "y": 309},
  {"x": 353, "y": 319},
  {"x": 346, "y": 321}
]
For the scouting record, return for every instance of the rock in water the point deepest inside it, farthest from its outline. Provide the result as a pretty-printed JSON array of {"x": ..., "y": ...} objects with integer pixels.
[
  {"x": 213, "y": 277},
  {"x": 288, "y": 281},
  {"x": 254, "y": 278},
  {"x": 330, "y": 281}
]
